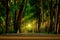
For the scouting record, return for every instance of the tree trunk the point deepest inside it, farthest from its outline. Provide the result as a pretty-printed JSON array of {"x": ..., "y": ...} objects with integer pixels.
[
  {"x": 7, "y": 15},
  {"x": 51, "y": 17},
  {"x": 18, "y": 27},
  {"x": 40, "y": 15},
  {"x": 57, "y": 14},
  {"x": 42, "y": 11},
  {"x": 15, "y": 18}
]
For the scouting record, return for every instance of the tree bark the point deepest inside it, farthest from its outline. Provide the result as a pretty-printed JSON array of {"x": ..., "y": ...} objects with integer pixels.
[
  {"x": 18, "y": 27},
  {"x": 40, "y": 15},
  {"x": 15, "y": 18},
  {"x": 51, "y": 17},
  {"x": 42, "y": 11},
  {"x": 57, "y": 15},
  {"x": 7, "y": 15}
]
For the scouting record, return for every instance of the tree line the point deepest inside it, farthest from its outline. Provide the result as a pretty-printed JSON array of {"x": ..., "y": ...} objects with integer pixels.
[{"x": 47, "y": 12}]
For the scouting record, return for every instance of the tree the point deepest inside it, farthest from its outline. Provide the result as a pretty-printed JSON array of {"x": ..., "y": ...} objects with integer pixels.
[
  {"x": 51, "y": 17},
  {"x": 59, "y": 15},
  {"x": 7, "y": 14},
  {"x": 57, "y": 18},
  {"x": 21, "y": 10}
]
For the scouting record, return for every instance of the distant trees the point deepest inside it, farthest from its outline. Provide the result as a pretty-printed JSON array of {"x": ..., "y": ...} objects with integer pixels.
[{"x": 46, "y": 13}]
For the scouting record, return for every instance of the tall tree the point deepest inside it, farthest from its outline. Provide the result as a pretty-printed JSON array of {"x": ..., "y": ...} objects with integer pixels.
[
  {"x": 42, "y": 10},
  {"x": 51, "y": 16},
  {"x": 57, "y": 18},
  {"x": 22, "y": 6},
  {"x": 39, "y": 17},
  {"x": 16, "y": 14},
  {"x": 7, "y": 14},
  {"x": 59, "y": 15}
]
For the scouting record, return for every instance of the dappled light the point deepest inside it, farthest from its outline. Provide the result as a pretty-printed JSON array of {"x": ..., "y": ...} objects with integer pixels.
[{"x": 30, "y": 16}]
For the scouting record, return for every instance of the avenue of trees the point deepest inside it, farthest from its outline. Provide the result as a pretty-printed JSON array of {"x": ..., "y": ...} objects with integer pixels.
[{"x": 30, "y": 16}]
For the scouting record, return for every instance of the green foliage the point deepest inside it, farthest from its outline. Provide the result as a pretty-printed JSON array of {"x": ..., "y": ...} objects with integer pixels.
[
  {"x": 2, "y": 9},
  {"x": 14, "y": 7},
  {"x": 32, "y": 11},
  {"x": 12, "y": 10},
  {"x": 0, "y": 30}
]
